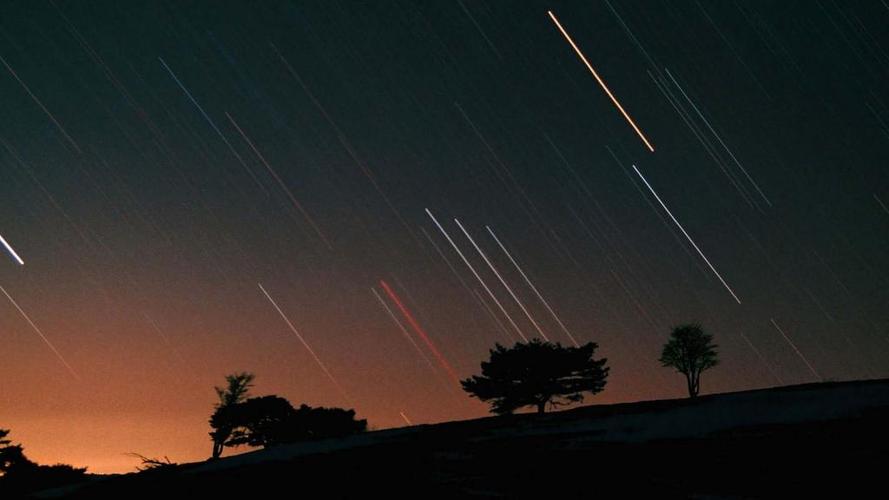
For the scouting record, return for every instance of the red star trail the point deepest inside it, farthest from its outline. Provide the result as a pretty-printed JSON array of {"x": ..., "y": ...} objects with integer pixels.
[{"x": 420, "y": 331}]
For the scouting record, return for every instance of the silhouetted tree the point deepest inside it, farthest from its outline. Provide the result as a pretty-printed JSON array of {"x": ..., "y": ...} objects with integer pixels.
[
  {"x": 270, "y": 420},
  {"x": 690, "y": 351},
  {"x": 536, "y": 373},
  {"x": 237, "y": 389},
  {"x": 316, "y": 423},
  {"x": 20, "y": 475},
  {"x": 11, "y": 455},
  {"x": 261, "y": 421}
]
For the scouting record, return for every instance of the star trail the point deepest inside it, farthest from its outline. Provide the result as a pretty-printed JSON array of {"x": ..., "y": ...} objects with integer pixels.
[{"x": 356, "y": 201}]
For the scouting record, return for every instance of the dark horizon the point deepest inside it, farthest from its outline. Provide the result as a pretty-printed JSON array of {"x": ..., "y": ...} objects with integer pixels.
[{"x": 188, "y": 191}]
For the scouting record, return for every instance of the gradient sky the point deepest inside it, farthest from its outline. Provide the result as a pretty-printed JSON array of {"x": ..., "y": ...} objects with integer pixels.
[{"x": 146, "y": 220}]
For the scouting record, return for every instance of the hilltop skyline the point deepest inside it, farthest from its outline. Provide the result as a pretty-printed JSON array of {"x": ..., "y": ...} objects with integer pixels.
[{"x": 188, "y": 191}]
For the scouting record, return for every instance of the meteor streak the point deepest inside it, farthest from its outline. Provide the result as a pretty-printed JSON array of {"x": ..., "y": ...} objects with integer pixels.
[
  {"x": 601, "y": 82},
  {"x": 304, "y": 343},
  {"x": 658, "y": 198},
  {"x": 479, "y": 278},
  {"x": 798, "y": 353},
  {"x": 11, "y": 251},
  {"x": 40, "y": 333},
  {"x": 420, "y": 331},
  {"x": 502, "y": 281},
  {"x": 533, "y": 288}
]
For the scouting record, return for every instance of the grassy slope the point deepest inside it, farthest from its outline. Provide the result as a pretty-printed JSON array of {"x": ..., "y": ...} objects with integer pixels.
[{"x": 799, "y": 441}]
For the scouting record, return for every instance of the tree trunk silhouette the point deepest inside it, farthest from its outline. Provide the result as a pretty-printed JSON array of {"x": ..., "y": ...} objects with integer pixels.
[{"x": 541, "y": 407}]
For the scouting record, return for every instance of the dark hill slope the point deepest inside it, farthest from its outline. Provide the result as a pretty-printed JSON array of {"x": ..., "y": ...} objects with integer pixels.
[{"x": 815, "y": 440}]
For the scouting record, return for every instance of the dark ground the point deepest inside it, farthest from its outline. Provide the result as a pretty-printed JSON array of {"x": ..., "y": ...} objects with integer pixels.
[{"x": 823, "y": 441}]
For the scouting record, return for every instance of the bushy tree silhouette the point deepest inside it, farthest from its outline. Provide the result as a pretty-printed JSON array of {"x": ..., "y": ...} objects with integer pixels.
[
  {"x": 270, "y": 420},
  {"x": 261, "y": 421},
  {"x": 537, "y": 373},
  {"x": 11, "y": 455},
  {"x": 316, "y": 423},
  {"x": 20, "y": 475},
  {"x": 690, "y": 351},
  {"x": 237, "y": 389}
]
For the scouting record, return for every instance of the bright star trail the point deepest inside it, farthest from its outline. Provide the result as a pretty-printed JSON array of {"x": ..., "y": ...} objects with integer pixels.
[
  {"x": 160, "y": 159},
  {"x": 12, "y": 252},
  {"x": 601, "y": 82},
  {"x": 796, "y": 350},
  {"x": 695, "y": 245},
  {"x": 531, "y": 285},
  {"x": 502, "y": 281},
  {"x": 477, "y": 277},
  {"x": 304, "y": 343}
]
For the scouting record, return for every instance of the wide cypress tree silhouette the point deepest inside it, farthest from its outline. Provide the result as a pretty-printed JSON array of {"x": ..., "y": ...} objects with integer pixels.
[{"x": 537, "y": 373}]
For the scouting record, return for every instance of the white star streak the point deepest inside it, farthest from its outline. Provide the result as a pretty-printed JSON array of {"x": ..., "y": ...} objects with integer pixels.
[
  {"x": 11, "y": 251},
  {"x": 658, "y": 198},
  {"x": 36, "y": 100},
  {"x": 882, "y": 205},
  {"x": 601, "y": 82},
  {"x": 40, "y": 333},
  {"x": 212, "y": 124},
  {"x": 304, "y": 343},
  {"x": 761, "y": 358},
  {"x": 479, "y": 278},
  {"x": 533, "y": 288},
  {"x": 502, "y": 281},
  {"x": 718, "y": 138},
  {"x": 481, "y": 300},
  {"x": 164, "y": 337},
  {"x": 798, "y": 353},
  {"x": 284, "y": 187}
]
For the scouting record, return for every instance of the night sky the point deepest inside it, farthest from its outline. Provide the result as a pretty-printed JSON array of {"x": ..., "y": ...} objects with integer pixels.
[{"x": 161, "y": 160}]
